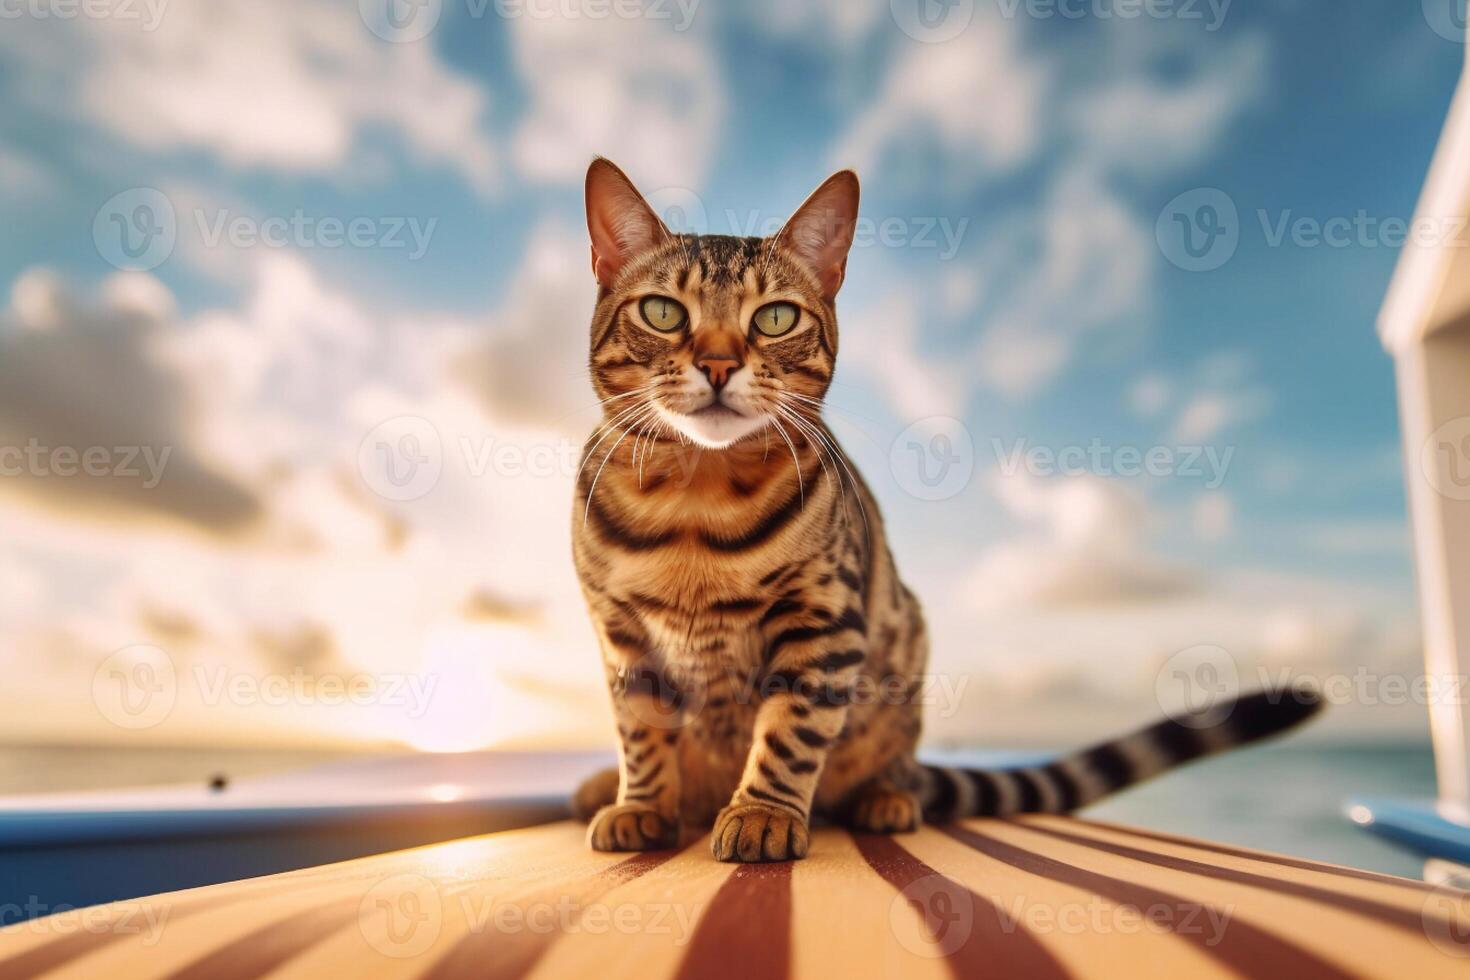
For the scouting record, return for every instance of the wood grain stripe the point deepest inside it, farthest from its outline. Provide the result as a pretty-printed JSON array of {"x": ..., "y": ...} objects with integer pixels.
[
  {"x": 261, "y": 950},
  {"x": 1412, "y": 922},
  {"x": 1280, "y": 860},
  {"x": 990, "y": 950},
  {"x": 495, "y": 955},
  {"x": 1246, "y": 949},
  {"x": 746, "y": 931}
]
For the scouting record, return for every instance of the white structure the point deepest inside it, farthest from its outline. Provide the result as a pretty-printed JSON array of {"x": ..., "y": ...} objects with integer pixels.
[{"x": 1425, "y": 324}]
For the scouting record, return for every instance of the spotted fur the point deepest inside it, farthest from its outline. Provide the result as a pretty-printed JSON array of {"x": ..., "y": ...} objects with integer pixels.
[{"x": 762, "y": 654}]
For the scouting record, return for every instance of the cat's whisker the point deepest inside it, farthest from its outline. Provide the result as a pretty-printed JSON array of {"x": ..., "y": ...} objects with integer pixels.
[
  {"x": 800, "y": 483},
  {"x": 803, "y": 428},
  {"x": 819, "y": 446},
  {"x": 608, "y": 429},
  {"x": 836, "y": 452},
  {"x": 587, "y": 511}
]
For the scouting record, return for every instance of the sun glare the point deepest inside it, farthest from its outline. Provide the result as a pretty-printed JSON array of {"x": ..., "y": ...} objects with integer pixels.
[{"x": 473, "y": 705}]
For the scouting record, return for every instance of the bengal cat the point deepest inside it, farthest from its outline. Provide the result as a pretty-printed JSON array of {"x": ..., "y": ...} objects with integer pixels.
[{"x": 762, "y": 654}]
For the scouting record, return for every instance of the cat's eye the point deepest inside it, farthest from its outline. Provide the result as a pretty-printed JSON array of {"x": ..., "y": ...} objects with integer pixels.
[
  {"x": 663, "y": 314},
  {"x": 776, "y": 319}
]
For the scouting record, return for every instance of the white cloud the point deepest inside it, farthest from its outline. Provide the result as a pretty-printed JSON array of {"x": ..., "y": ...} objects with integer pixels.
[
  {"x": 1090, "y": 268},
  {"x": 1149, "y": 395},
  {"x": 23, "y": 178},
  {"x": 290, "y": 87},
  {"x": 645, "y": 96},
  {"x": 1152, "y": 125},
  {"x": 1212, "y": 516},
  {"x": 881, "y": 342},
  {"x": 286, "y": 388},
  {"x": 1208, "y": 414},
  {"x": 978, "y": 98},
  {"x": 1090, "y": 549},
  {"x": 840, "y": 23},
  {"x": 523, "y": 364}
]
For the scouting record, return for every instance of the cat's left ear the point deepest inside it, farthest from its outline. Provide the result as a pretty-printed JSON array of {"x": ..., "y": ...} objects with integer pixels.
[
  {"x": 619, "y": 220},
  {"x": 821, "y": 230}
]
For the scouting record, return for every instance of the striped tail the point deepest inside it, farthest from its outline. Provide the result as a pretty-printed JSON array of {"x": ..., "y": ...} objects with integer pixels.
[{"x": 1087, "y": 776}]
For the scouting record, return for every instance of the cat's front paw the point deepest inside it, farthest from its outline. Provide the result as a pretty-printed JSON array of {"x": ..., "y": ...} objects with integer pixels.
[
  {"x": 632, "y": 827},
  {"x": 885, "y": 811},
  {"x": 752, "y": 832}
]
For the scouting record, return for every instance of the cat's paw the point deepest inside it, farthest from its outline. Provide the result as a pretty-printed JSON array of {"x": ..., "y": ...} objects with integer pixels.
[
  {"x": 632, "y": 827},
  {"x": 885, "y": 811},
  {"x": 597, "y": 791},
  {"x": 750, "y": 832}
]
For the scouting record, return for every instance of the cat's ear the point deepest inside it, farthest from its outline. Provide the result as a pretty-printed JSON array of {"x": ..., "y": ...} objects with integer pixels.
[
  {"x": 821, "y": 230},
  {"x": 619, "y": 220}
]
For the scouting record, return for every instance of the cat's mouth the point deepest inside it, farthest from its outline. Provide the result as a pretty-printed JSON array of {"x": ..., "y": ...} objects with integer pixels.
[
  {"x": 714, "y": 426},
  {"x": 717, "y": 410}
]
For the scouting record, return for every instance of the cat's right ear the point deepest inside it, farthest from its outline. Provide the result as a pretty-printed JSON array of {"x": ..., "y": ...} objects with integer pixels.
[{"x": 619, "y": 221}]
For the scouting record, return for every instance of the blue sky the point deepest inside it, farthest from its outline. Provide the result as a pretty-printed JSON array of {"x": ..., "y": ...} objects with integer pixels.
[{"x": 1045, "y": 147}]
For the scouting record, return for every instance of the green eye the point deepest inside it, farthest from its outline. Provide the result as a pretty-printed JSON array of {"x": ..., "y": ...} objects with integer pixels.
[
  {"x": 663, "y": 314},
  {"x": 775, "y": 319}
]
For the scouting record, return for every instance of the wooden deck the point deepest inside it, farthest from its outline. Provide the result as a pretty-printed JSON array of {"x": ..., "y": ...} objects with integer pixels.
[{"x": 1039, "y": 897}]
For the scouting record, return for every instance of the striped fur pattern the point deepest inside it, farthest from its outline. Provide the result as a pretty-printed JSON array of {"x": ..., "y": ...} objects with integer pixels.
[
  {"x": 1091, "y": 774},
  {"x": 762, "y": 654}
]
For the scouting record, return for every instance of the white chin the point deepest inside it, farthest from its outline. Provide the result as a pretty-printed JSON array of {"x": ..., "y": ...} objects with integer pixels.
[{"x": 713, "y": 431}]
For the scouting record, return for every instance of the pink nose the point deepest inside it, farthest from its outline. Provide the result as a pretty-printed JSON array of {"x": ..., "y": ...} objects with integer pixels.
[{"x": 718, "y": 368}]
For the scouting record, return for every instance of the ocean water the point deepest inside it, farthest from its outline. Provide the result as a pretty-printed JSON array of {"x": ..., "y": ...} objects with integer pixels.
[{"x": 1288, "y": 798}]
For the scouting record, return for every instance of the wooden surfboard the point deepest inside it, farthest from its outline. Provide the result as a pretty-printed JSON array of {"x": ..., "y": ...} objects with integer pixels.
[{"x": 1038, "y": 897}]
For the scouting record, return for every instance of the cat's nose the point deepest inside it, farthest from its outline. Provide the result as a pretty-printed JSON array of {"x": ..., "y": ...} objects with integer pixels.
[{"x": 718, "y": 368}]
